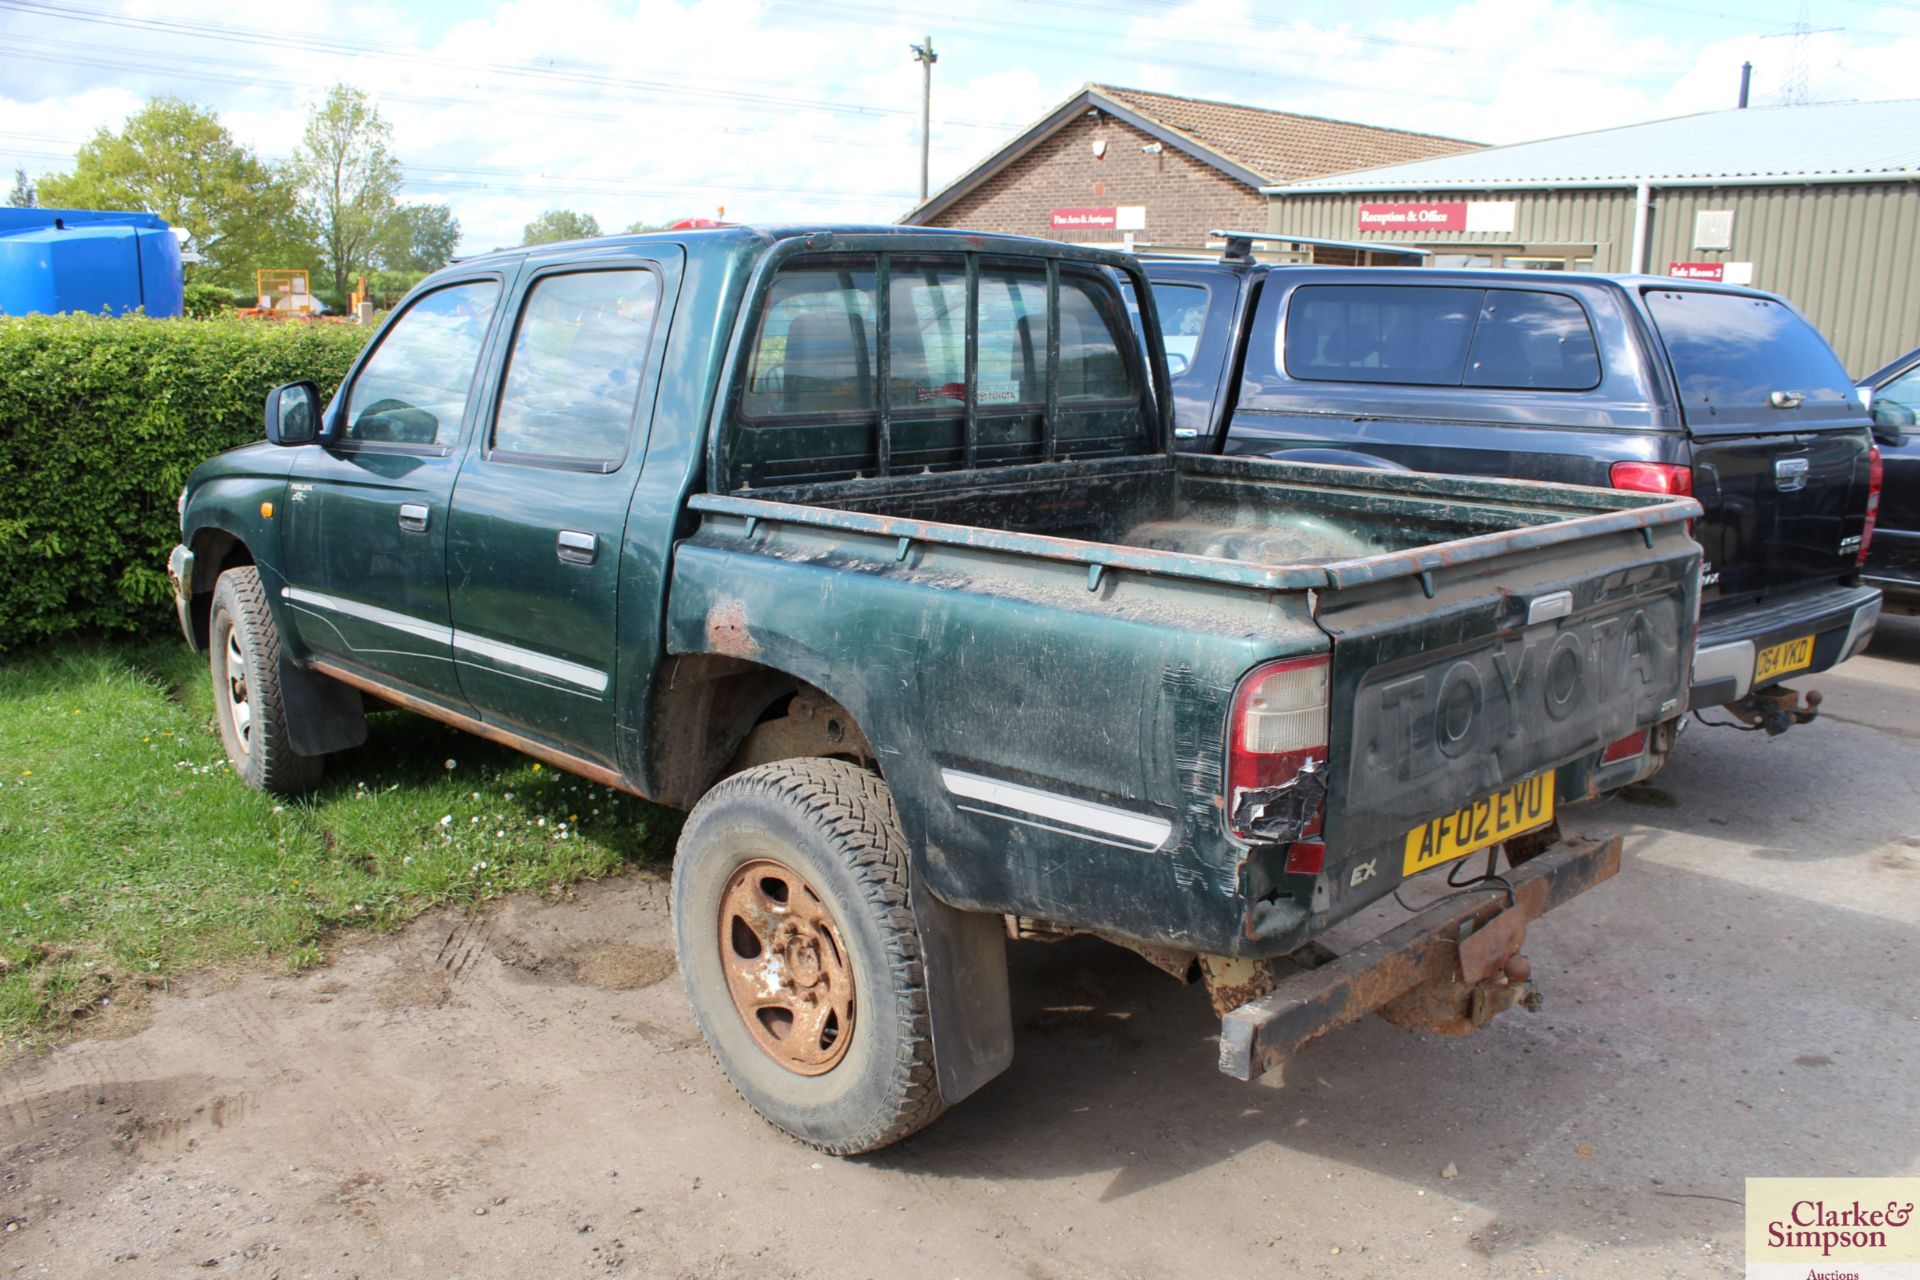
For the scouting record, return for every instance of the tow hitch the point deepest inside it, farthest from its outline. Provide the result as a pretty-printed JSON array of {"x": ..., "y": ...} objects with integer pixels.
[
  {"x": 1449, "y": 969},
  {"x": 1776, "y": 710}
]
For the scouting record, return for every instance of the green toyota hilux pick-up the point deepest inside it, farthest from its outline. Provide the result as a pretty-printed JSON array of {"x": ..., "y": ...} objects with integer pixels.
[{"x": 867, "y": 546}]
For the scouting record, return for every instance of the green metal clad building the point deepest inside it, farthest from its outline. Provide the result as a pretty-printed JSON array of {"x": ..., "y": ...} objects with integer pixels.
[{"x": 1819, "y": 203}]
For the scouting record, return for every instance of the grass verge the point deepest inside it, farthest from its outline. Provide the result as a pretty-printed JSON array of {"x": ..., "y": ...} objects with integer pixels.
[{"x": 129, "y": 851}]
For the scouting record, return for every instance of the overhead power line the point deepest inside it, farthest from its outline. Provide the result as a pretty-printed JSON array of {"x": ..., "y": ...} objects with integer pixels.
[
  {"x": 657, "y": 84},
  {"x": 206, "y": 67}
]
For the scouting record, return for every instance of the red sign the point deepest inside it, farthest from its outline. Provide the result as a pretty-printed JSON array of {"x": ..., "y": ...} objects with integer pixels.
[
  {"x": 1085, "y": 219},
  {"x": 1435, "y": 215},
  {"x": 1697, "y": 270}
]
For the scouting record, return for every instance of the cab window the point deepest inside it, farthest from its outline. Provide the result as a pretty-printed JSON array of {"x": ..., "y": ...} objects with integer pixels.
[
  {"x": 1183, "y": 316},
  {"x": 413, "y": 389},
  {"x": 573, "y": 375}
]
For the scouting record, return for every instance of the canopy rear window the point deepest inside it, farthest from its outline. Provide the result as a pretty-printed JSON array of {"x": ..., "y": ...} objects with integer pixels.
[{"x": 1732, "y": 353}]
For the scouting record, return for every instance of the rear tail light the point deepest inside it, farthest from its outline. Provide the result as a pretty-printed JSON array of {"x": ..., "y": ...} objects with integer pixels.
[
  {"x": 1276, "y": 730},
  {"x": 1652, "y": 477},
  {"x": 1626, "y": 749},
  {"x": 1876, "y": 474}
]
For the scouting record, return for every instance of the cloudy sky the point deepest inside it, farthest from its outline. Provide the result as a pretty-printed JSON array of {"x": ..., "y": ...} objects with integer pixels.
[{"x": 799, "y": 109}]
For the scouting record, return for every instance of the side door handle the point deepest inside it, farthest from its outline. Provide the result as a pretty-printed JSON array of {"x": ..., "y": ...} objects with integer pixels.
[
  {"x": 577, "y": 548},
  {"x": 413, "y": 517}
]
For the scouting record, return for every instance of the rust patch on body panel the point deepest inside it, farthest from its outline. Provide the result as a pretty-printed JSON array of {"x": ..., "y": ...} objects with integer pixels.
[{"x": 727, "y": 630}]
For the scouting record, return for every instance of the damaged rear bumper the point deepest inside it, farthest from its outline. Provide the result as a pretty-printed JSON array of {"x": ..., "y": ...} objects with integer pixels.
[{"x": 1449, "y": 968}]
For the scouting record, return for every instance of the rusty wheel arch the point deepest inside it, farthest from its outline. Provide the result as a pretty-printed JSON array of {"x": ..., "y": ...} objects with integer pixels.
[{"x": 715, "y": 716}]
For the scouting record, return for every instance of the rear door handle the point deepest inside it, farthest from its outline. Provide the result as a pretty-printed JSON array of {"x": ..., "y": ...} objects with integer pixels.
[
  {"x": 1787, "y": 399},
  {"x": 577, "y": 548},
  {"x": 413, "y": 517}
]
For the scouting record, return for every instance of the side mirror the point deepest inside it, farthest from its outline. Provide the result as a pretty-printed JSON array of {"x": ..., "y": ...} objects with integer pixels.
[
  {"x": 1890, "y": 423},
  {"x": 293, "y": 413}
]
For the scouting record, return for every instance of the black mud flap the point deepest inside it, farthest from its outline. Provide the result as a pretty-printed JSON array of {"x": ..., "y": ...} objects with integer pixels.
[
  {"x": 964, "y": 956},
  {"x": 323, "y": 714}
]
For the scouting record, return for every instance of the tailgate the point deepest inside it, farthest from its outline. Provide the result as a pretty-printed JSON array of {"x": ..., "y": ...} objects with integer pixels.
[
  {"x": 1783, "y": 510},
  {"x": 1456, "y": 678},
  {"x": 1779, "y": 440}
]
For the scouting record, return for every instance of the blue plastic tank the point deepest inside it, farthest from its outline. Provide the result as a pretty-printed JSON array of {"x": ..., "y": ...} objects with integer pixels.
[{"x": 54, "y": 260}]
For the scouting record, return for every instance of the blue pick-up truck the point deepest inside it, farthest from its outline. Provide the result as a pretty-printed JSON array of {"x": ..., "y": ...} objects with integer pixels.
[{"x": 1724, "y": 394}]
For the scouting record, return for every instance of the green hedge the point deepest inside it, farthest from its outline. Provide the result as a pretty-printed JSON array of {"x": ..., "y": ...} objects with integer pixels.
[{"x": 100, "y": 422}]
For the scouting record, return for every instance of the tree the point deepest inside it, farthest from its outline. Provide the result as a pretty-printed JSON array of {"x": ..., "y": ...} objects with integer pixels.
[
  {"x": 175, "y": 159},
  {"x": 346, "y": 176},
  {"x": 560, "y": 224},
  {"x": 418, "y": 238},
  {"x": 641, "y": 228},
  {"x": 21, "y": 196}
]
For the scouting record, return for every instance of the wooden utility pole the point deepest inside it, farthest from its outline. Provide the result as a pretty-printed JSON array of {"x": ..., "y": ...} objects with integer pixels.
[{"x": 926, "y": 57}]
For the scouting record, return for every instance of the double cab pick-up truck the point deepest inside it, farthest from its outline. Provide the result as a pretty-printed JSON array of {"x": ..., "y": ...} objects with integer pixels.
[
  {"x": 869, "y": 546},
  {"x": 1723, "y": 393}
]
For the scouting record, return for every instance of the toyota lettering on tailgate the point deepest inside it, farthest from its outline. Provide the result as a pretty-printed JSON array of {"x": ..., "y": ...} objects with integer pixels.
[{"x": 1524, "y": 698}]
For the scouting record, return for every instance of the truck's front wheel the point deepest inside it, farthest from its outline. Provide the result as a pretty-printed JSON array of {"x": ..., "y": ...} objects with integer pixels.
[
  {"x": 799, "y": 953},
  {"x": 244, "y": 654}
]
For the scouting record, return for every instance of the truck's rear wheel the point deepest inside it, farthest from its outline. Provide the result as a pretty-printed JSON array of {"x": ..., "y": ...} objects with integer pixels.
[
  {"x": 799, "y": 953},
  {"x": 244, "y": 654}
]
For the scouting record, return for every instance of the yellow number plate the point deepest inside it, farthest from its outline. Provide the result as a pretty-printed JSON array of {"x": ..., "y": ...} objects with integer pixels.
[
  {"x": 1521, "y": 807},
  {"x": 1778, "y": 659}
]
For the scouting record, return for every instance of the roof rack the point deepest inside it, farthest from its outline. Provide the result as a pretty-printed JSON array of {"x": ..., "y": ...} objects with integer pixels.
[{"x": 1240, "y": 245}]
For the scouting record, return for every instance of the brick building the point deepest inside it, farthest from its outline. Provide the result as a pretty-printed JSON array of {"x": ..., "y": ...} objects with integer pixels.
[{"x": 1126, "y": 168}]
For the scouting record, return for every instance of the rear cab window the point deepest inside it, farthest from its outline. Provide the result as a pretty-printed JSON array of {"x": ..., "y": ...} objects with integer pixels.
[
  {"x": 1732, "y": 353},
  {"x": 837, "y": 385},
  {"x": 1439, "y": 336}
]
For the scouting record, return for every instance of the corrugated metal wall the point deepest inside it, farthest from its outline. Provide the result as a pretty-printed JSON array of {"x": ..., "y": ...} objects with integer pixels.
[{"x": 1849, "y": 256}]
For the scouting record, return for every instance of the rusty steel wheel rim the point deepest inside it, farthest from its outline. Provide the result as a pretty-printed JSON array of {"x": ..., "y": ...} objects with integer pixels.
[{"x": 787, "y": 969}]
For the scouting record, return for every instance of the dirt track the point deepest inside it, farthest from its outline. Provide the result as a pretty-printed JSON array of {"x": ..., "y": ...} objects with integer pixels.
[{"x": 525, "y": 1094}]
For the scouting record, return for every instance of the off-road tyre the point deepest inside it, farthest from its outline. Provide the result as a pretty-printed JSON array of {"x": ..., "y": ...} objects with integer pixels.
[
  {"x": 259, "y": 749},
  {"x": 834, "y": 824}
]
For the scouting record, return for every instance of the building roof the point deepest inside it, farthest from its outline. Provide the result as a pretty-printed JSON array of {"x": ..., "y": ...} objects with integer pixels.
[
  {"x": 1829, "y": 142},
  {"x": 1279, "y": 143},
  {"x": 1249, "y": 144}
]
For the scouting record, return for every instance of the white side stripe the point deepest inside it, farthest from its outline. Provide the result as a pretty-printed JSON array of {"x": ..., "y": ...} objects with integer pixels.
[
  {"x": 1140, "y": 830},
  {"x": 370, "y": 613},
  {"x": 499, "y": 651},
  {"x": 528, "y": 660}
]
